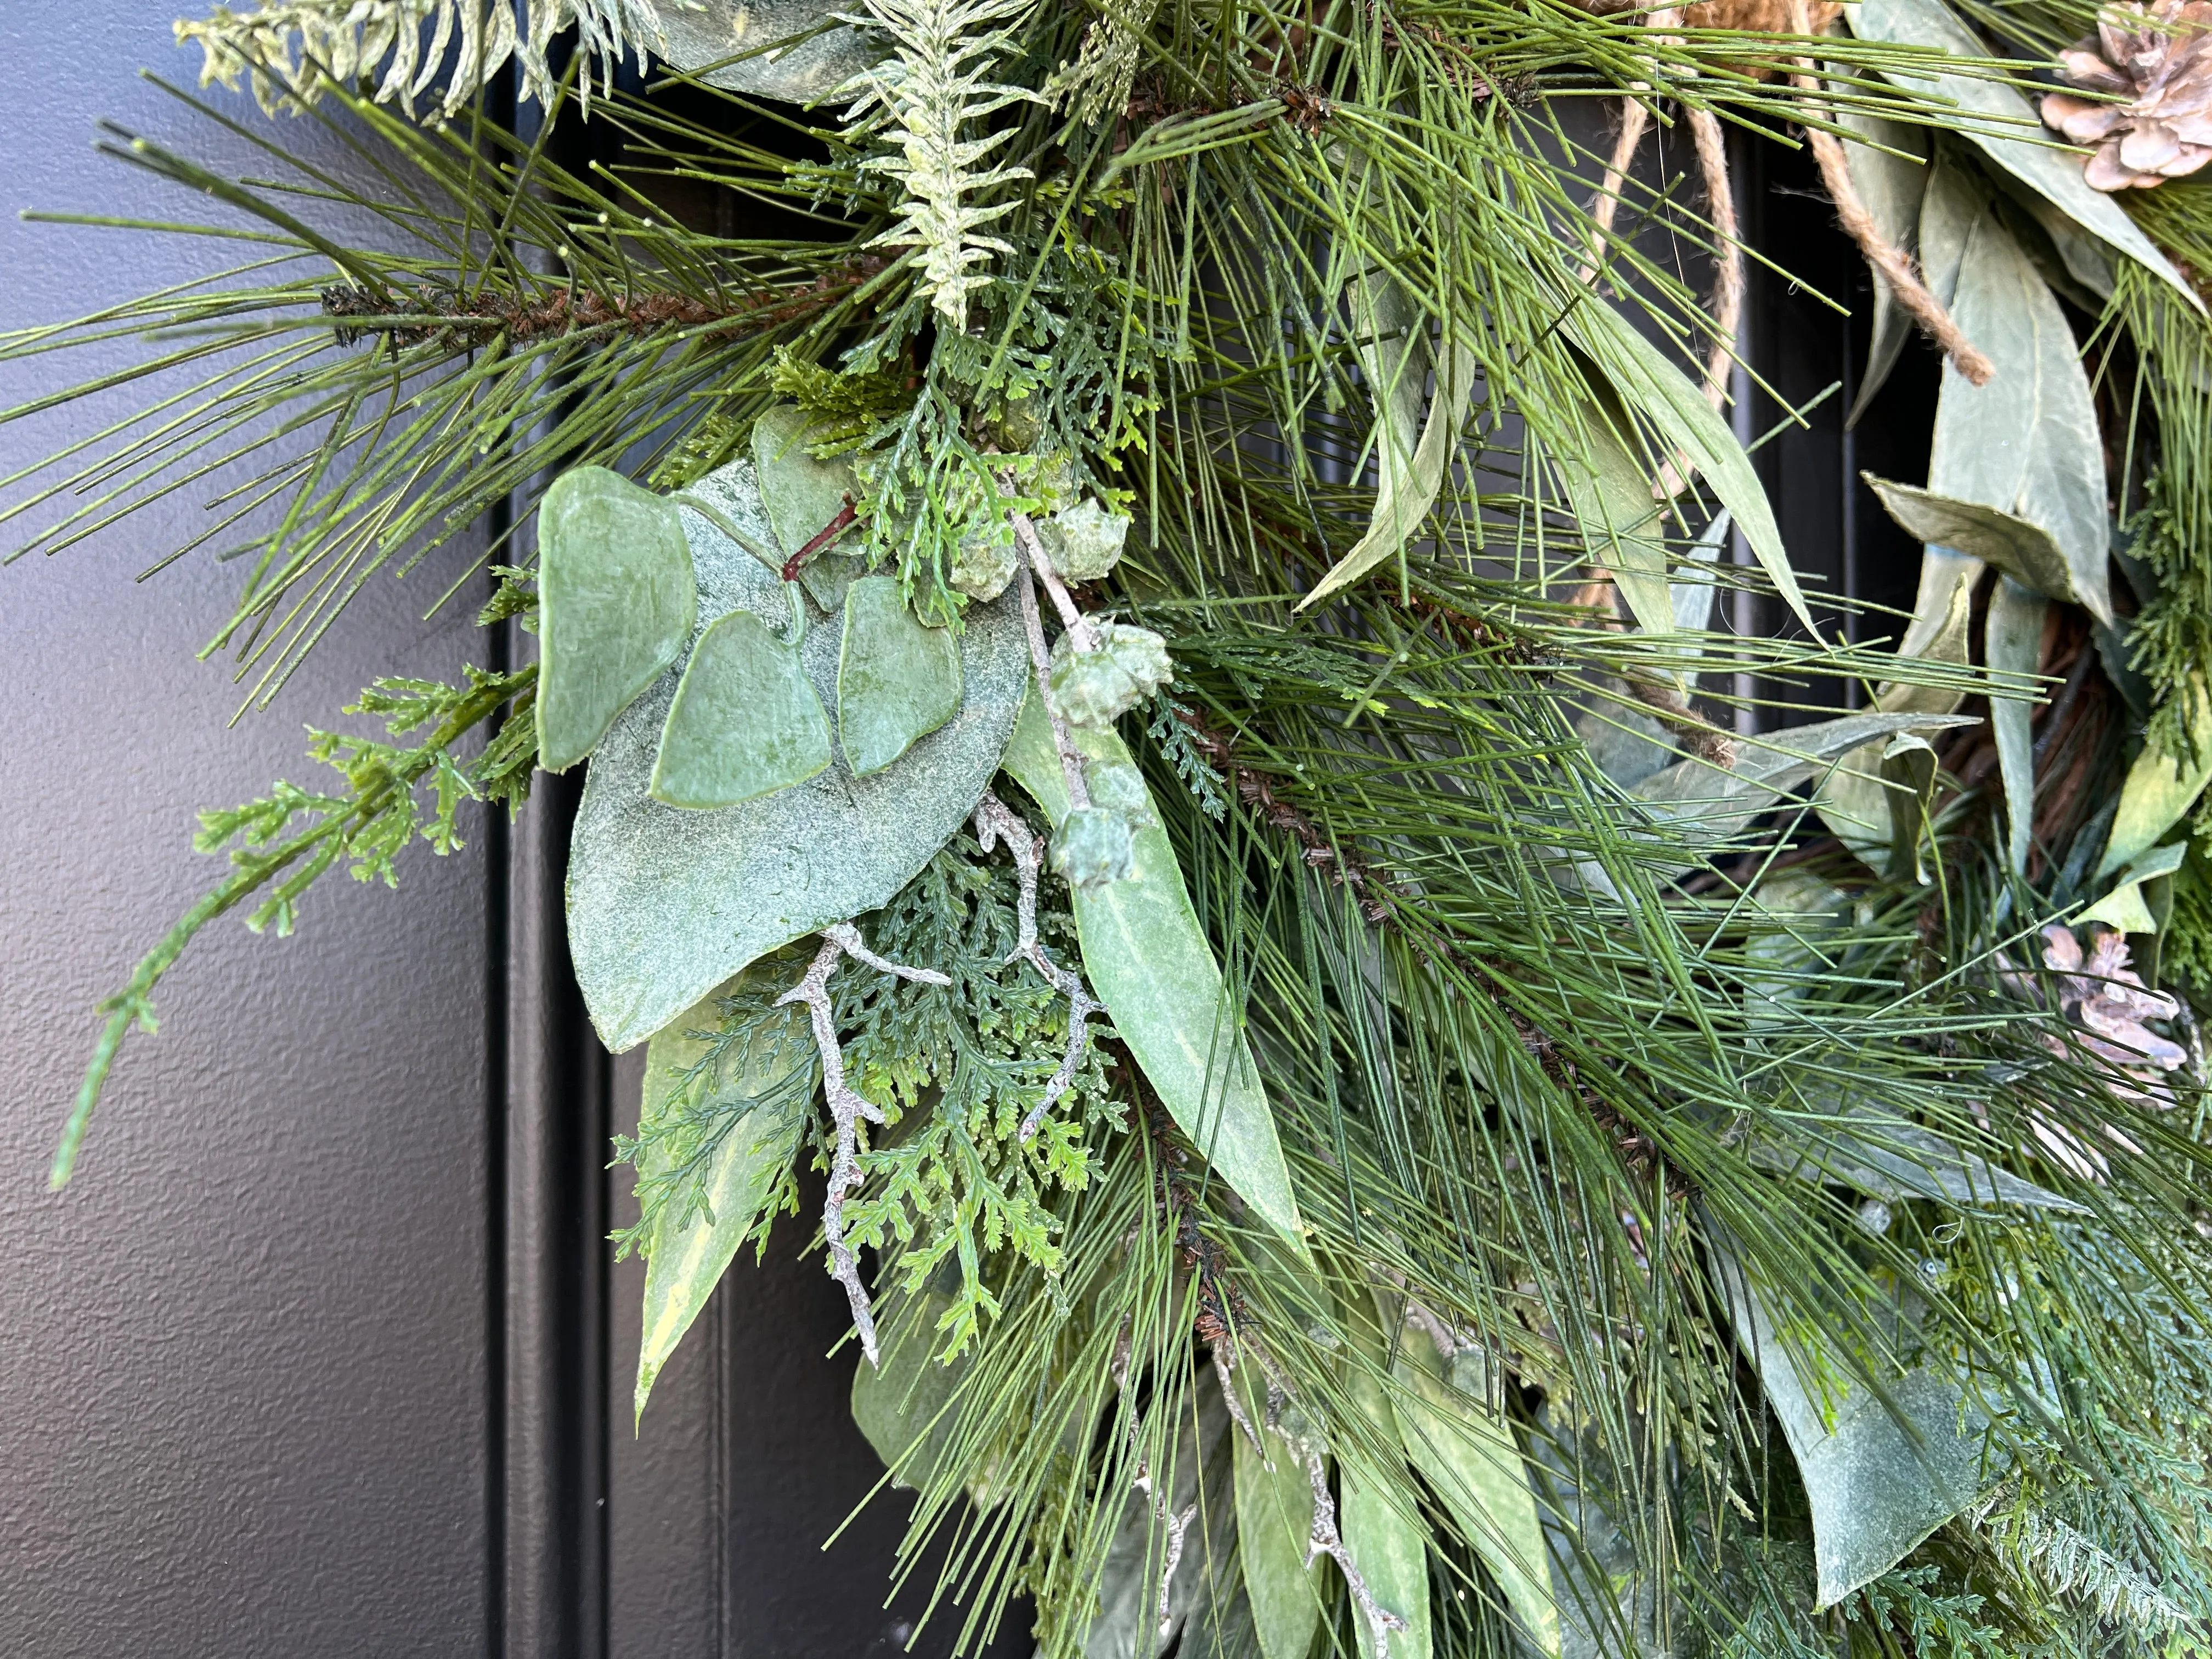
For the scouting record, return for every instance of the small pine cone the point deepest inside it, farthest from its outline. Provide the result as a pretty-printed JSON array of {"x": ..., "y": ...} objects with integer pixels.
[{"x": 2157, "y": 59}]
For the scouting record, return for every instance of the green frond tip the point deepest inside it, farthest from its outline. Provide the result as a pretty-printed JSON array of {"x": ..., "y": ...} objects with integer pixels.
[{"x": 370, "y": 824}]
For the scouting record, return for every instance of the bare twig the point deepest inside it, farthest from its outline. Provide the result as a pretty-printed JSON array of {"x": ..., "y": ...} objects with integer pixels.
[
  {"x": 846, "y": 1108},
  {"x": 1082, "y": 635},
  {"x": 1325, "y": 1539},
  {"x": 996, "y": 822},
  {"x": 1224, "y": 1373},
  {"x": 1071, "y": 758}
]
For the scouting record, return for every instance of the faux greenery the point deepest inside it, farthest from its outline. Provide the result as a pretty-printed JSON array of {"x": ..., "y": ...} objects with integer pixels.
[{"x": 1156, "y": 709}]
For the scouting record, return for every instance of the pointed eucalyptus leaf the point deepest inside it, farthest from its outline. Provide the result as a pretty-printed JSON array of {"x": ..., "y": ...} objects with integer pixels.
[
  {"x": 2021, "y": 550},
  {"x": 1795, "y": 919},
  {"x": 804, "y": 497},
  {"x": 739, "y": 46},
  {"x": 1275, "y": 1518},
  {"x": 1610, "y": 493},
  {"x": 1647, "y": 379},
  {"x": 2012, "y": 646},
  {"x": 1954, "y": 199},
  {"x": 1692, "y": 794},
  {"x": 664, "y": 904},
  {"x": 1126, "y": 1624},
  {"x": 2027, "y": 444},
  {"x": 1147, "y": 958},
  {"x": 617, "y": 603},
  {"x": 2159, "y": 789},
  {"x": 897, "y": 681},
  {"x": 1889, "y": 170},
  {"x": 1879, "y": 1152},
  {"x": 745, "y": 723},
  {"x": 2053, "y": 173},
  {"x": 1386, "y": 1544},
  {"x": 1855, "y": 799},
  {"x": 1877, "y": 1486},
  {"x": 1455, "y": 1434},
  {"x": 2127, "y": 907},
  {"x": 1412, "y": 473},
  {"x": 764, "y": 1081}
]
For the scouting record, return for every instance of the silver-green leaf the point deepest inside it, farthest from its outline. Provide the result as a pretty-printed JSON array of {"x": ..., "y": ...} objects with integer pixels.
[
  {"x": 664, "y": 904},
  {"x": 745, "y": 721},
  {"x": 2022, "y": 550},
  {"x": 617, "y": 602},
  {"x": 2012, "y": 646},
  {"x": 1878, "y": 1482},
  {"x": 1147, "y": 957},
  {"x": 897, "y": 681},
  {"x": 765, "y": 1079},
  {"x": 737, "y": 44}
]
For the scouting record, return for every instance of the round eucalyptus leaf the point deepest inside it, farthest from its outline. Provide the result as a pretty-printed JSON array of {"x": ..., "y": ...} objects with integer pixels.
[
  {"x": 897, "y": 681},
  {"x": 617, "y": 602},
  {"x": 804, "y": 497},
  {"x": 665, "y": 904},
  {"x": 745, "y": 721},
  {"x": 726, "y": 37}
]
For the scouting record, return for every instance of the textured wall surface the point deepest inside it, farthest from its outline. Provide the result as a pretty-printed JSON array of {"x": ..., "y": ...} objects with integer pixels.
[{"x": 242, "y": 1359}]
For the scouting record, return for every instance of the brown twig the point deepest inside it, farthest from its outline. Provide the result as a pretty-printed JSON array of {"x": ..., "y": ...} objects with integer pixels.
[
  {"x": 846, "y": 1108},
  {"x": 848, "y": 516},
  {"x": 410, "y": 317}
]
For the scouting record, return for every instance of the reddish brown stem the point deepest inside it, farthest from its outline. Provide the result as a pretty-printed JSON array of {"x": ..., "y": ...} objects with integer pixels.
[{"x": 847, "y": 517}]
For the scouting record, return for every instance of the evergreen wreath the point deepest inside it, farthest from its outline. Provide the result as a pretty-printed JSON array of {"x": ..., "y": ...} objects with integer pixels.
[{"x": 1150, "y": 658}]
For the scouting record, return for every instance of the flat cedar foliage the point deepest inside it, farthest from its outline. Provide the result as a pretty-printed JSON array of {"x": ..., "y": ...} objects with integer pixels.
[{"x": 1391, "y": 1081}]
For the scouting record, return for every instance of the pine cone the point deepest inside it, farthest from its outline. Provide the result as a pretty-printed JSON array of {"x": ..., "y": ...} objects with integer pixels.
[{"x": 2158, "y": 57}]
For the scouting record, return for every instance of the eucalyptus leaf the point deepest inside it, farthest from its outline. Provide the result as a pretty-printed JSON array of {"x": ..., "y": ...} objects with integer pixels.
[
  {"x": 2012, "y": 637},
  {"x": 2053, "y": 173},
  {"x": 1877, "y": 1486},
  {"x": 1877, "y": 1151},
  {"x": 1888, "y": 168},
  {"x": 899, "y": 1402},
  {"x": 1855, "y": 798},
  {"x": 664, "y": 904},
  {"x": 1694, "y": 794},
  {"x": 737, "y": 44},
  {"x": 1649, "y": 380},
  {"x": 2025, "y": 446},
  {"x": 1126, "y": 1624},
  {"x": 765, "y": 1081},
  {"x": 1148, "y": 959},
  {"x": 617, "y": 602},
  {"x": 804, "y": 497},
  {"x": 1455, "y": 1435},
  {"x": 1610, "y": 493},
  {"x": 897, "y": 681},
  {"x": 1411, "y": 472},
  {"x": 1389, "y": 1546},
  {"x": 745, "y": 723},
  {"x": 2126, "y": 907},
  {"x": 2159, "y": 789},
  {"x": 1275, "y": 1517}
]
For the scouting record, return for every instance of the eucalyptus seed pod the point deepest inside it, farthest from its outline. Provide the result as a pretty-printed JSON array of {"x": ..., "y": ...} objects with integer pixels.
[
  {"x": 1096, "y": 687},
  {"x": 2158, "y": 60},
  {"x": 1085, "y": 541},
  {"x": 984, "y": 564},
  {"x": 1095, "y": 845}
]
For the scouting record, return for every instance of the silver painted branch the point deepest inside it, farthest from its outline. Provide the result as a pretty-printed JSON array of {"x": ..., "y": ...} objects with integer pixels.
[
  {"x": 1071, "y": 759},
  {"x": 996, "y": 822},
  {"x": 1326, "y": 1540},
  {"x": 1082, "y": 635},
  {"x": 846, "y": 1108}
]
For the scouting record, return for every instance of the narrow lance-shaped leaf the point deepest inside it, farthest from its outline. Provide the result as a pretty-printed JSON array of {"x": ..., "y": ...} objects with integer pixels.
[
  {"x": 1647, "y": 379},
  {"x": 764, "y": 1081},
  {"x": 2160, "y": 788},
  {"x": 1456, "y": 1437},
  {"x": 1148, "y": 959},
  {"x": 2012, "y": 637},
  {"x": 1877, "y": 1486},
  {"x": 1609, "y": 494},
  {"x": 1387, "y": 1543},
  {"x": 1274, "y": 1517},
  {"x": 1889, "y": 170}
]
